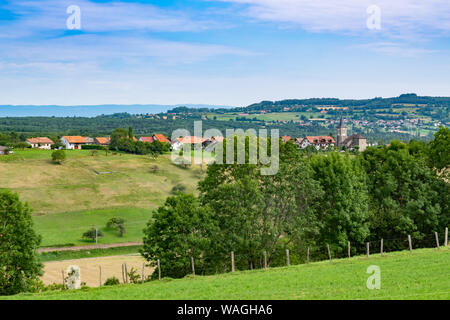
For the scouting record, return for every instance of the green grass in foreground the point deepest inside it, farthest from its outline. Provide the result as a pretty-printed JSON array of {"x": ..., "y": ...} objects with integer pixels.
[
  {"x": 424, "y": 274},
  {"x": 71, "y": 255}
]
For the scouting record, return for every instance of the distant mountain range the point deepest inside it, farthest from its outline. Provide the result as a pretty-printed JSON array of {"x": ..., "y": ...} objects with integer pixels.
[{"x": 90, "y": 111}]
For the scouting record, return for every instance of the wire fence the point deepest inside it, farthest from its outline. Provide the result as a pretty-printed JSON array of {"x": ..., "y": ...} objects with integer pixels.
[{"x": 279, "y": 257}]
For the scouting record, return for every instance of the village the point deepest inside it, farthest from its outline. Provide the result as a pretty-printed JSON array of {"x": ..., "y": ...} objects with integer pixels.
[{"x": 342, "y": 141}]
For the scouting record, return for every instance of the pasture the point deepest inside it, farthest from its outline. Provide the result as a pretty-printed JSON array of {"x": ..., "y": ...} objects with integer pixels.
[
  {"x": 88, "y": 189},
  {"x": 422, "y": 274}
]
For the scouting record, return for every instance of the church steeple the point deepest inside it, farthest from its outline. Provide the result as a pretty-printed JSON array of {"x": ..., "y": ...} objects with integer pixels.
[
  {"x": 341, "y": 132},
  {"x": 341, "y": 122}
]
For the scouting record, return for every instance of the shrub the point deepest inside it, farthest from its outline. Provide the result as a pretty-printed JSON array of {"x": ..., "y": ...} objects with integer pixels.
[
  {"x": 178, "y": 188},
  {"x": 59, "y": 156},
  {"x": 112, "y": 281}
]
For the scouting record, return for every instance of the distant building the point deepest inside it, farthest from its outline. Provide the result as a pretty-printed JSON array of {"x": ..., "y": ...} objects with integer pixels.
[
  {"x": 355, "y": 141},
  {"x": 146, "y": 139},
  {"x": 73, "y": 142},
  {"x": 4, "y": 150},
  {"x": 161, "y": 138},
  {"x": 40, "y": 142},
  {"x": 319, "y": 142},
  {"x": 89, "y": 140},
  {"x": 102, "y": 141},
  {"x": 286, "y": 138}
]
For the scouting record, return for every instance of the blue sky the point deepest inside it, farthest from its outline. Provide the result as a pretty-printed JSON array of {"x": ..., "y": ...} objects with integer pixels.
[{"x": 229, "y": 52}]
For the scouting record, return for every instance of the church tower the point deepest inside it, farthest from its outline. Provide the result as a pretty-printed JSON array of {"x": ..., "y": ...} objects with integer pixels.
[{"x": 341, "y": 133}]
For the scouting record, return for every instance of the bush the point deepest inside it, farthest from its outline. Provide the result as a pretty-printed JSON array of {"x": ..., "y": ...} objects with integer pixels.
[
  {"x": 178, "y": 188},
  {"x": 112, "y": 281},
  {"x": 59, "y": 156},
  {"x": 93, "y": 147}
]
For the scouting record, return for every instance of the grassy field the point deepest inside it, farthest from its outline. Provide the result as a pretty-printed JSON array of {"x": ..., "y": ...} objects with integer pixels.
[
  {"x": 93, "y": 253},
  {"x": 88, "y": 190},
  {"x": 423, "y": 274}
]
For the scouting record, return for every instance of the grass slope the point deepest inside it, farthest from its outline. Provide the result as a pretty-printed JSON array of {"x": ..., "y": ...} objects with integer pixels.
[
  {"x": 70, "y": 198},
  {"x": 424, "y": 274}
]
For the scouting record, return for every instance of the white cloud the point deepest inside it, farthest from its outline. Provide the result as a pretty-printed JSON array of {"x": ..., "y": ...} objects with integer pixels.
[{"x": 399, "y": 17}]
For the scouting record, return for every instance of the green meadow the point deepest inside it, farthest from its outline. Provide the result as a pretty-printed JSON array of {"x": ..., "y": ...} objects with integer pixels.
[
  {"x": 423, "y": 274},
  {"x": 90, "y": 188}
]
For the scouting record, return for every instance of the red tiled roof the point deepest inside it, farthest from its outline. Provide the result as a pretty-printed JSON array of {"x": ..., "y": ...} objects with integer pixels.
[
  {"x": 285, "y": 138},
  {"x": 103, "y": 141},
  {"x": 147, "y": 139},
  {"x": 320, "y": 139},
  {"x": 191, "y": 140},
  {"x": 75, "y": 139},
  {"x": 161, "y": 138},
  {"x": 40, "y": 140}
]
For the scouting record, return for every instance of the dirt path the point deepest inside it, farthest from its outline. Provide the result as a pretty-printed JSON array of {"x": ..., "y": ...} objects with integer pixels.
[
  {"x": 90, "y": 247},
  {"x": 90, "y": 269}
]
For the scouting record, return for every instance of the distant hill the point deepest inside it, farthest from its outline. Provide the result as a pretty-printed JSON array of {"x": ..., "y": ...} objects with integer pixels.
[{"x": 89, "y": 110}]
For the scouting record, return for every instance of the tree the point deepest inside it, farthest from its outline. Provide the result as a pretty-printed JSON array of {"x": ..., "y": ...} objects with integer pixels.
[
  {"x": 118, "y": 224},
  {"x": 92, "y": 234},
  {"x": 255, "y": 212},
  {"x": 343, "y": 212},
  {"x": 19, "y": 264},
  {"x": 440, "y": 149},
  {"x": 405, "y": 193},
  {"x": 179, "y": 230},
  {"x": 59, "y": 156}
]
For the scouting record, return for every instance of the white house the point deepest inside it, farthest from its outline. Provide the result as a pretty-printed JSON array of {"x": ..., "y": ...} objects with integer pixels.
[
  {"x": 320, "y": 142},
  {"x": 40, "y": 142},
  {"x": 73, "y": 142}
]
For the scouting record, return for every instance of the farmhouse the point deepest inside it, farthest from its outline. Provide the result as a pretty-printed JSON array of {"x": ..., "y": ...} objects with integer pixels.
[
  {"x": 73, "y": 142},
  {"x": 4, "y": 150},
  {"x": 102, "y": 141},
  {"x": 285, "y": 139},
  {"x": 40, "y": 142},
  {"x": 320, "y": 142}
]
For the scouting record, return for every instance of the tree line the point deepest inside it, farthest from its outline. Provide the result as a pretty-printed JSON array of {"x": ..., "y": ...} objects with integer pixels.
[{"x": 313, "y": 201}]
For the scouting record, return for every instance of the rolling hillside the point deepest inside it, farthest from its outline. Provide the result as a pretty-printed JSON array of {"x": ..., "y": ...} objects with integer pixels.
[{"x": 89, "y": 189}]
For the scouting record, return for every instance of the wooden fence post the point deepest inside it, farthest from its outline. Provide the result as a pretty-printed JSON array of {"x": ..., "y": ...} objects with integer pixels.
[
  {"x": 307, "y": 255},
  {"x": 63, "y": 280},
  {"x": 193, "y": 266},
  {"x": 349, "y": 251},
  {"x": 143, "y": 271},
  {"x": 265, "y": 259},
  {"x": 381, "y": 247},
  {"x": 437, "y": 239},
  {"x": 410, "y": 243},
  {"x": 446, "y": 237},
  {"x": 329, "y": 252},
  {"x": 159, "y": 269},
  {"x": 232, "y": 261},
  {"x": 100, "y": 269},
  {"x": 367, "y": 249},
  {"x": 123, "y": 273},
  {"x": 287, "y": 257}
]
